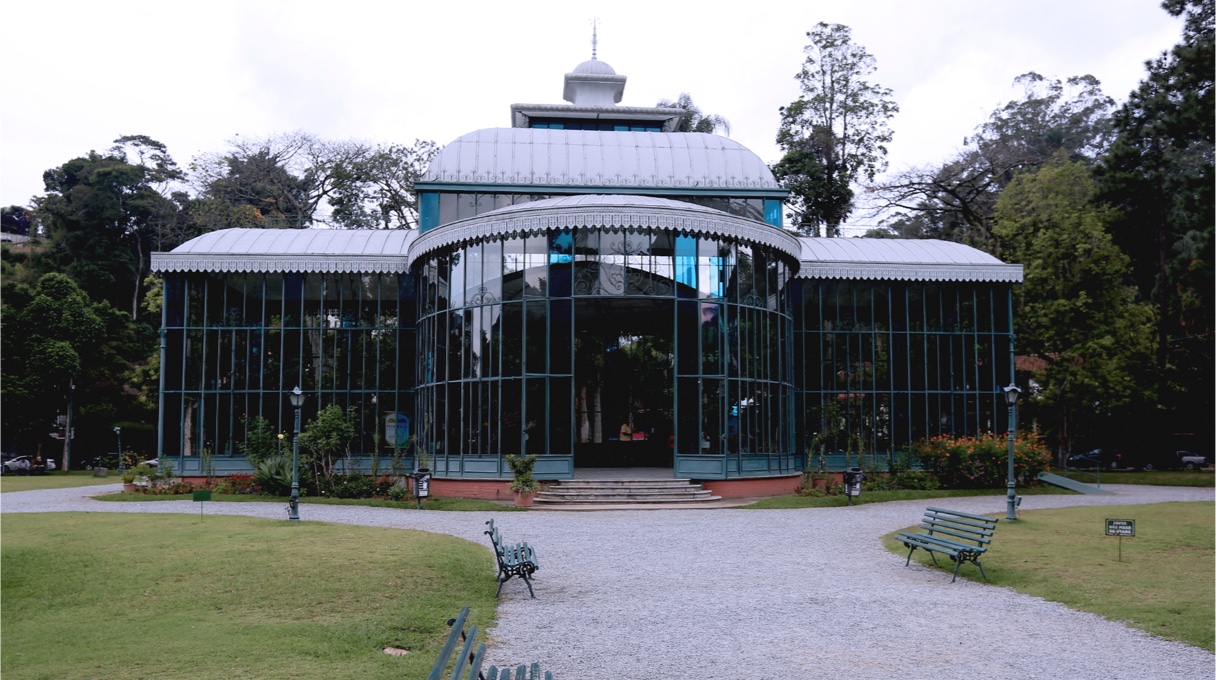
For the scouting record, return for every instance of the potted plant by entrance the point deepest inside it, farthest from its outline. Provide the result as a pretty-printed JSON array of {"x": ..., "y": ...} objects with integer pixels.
[
  {"x": 523, "y": 484},
  {"x": 128, "y": 480}
]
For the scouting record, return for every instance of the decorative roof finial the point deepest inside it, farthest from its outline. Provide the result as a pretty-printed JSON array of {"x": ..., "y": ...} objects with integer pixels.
[{"x": 594, "y": 39}]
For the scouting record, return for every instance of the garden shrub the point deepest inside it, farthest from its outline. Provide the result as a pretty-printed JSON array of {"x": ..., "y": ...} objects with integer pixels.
[
  {"x": 383, "y": 485},
  {"x": 236, "y": 485},
  {"x": 981, "y": 462},
  {"x": 273, "y": 475},
  {"x": 261, "y": 441},
  {"x": 352, "y": 486},
  {"x": 916, "y": 480},
  {"x": 176, "y": 487}
]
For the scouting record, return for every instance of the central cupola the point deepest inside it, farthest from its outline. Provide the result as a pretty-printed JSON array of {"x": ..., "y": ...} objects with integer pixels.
[
  {"x": 594, "y": 83},
  {"x": 594, "y": 90}
]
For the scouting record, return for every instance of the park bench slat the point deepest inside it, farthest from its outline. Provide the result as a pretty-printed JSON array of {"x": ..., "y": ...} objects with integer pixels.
[
  {"x": 449, "y": 646},
  {"x": 980, "y": 518},
  {"x": 472, "y": 658},
  {"x": 984, "y": 531},
  {"x": 978, "y": 527},
  {"x": 461, "y": 660},
  {"x": 950, "y": 531},
  {"x": 958, "y": 525}
]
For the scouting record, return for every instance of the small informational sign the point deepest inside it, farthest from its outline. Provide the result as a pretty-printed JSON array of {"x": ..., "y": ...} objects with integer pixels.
[
  {"x": 396, "y": 429},
  {"x": 1120, "y": 527},
  {"x": 201, "y": 495}
]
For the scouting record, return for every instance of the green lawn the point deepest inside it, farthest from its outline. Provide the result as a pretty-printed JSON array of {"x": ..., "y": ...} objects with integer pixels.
[
  {"x": 1200, "y": 478},
  {"x": 1205, "y": 477},
  {"x": 432, "y": 503},
  {"x": 175, "y": 596},
  {"x": 54, "y": 480},
  {"x": 1163, "y": 584},
  {"x": 796, "y": 501}
]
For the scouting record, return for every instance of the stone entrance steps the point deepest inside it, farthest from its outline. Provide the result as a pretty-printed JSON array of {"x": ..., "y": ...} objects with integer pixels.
[{"x": 631, "y": 492}]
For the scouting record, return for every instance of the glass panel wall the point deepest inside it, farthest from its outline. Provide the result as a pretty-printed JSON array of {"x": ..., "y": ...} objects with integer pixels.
[
  {"x": 573, "y": 342},
  {"x": 236, "y": 343},
  {"x": 440, "y": 208},
  {"x": 882, "y": 364}
]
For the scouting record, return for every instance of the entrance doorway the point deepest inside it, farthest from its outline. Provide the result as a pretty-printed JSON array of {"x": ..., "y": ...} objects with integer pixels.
[{"x": 623, "y": 382}]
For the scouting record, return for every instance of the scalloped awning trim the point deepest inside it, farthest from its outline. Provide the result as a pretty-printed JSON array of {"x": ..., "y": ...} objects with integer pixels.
[
  {"x": 491, "y": 226},
  {"x": 858, "y": 271},
  {"x": 322, "y": 264}
]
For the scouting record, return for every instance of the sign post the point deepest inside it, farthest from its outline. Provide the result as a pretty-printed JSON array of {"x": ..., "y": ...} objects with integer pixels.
[
  {"x": 1121, "y": 528},
  {"x": 201, "y": 495}
]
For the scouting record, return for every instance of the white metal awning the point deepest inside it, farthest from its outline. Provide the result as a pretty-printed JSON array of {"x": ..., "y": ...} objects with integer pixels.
[
  {"x": 901, "y": 260},
  {"x": 370, "y": 251}
]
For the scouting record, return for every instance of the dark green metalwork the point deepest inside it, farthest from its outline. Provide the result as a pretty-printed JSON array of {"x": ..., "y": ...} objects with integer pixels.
[
  {"x": 938, "y": 524},
  {"x": 886, "y": 363},
  {"x": 513, "y": 560},
  {"x": 609, "y": 348},
  {"x": 233, "y": 343},
  {"x": 468, "y": 663}
]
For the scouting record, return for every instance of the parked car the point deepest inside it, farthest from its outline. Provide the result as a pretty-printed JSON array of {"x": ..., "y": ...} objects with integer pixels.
[
  {"x": 1192, "y": 461},
  {"x": 1105, "y": 458},
  {"x": 27, "y": 465},
  {"x": 1150, "y": 460}
]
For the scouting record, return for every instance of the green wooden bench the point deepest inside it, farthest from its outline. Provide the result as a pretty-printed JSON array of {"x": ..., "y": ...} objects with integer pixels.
[
  {"x": 513, "y": 560},
  {"x": 468, "y": 662},
  {"x": 945, "y": 531}
]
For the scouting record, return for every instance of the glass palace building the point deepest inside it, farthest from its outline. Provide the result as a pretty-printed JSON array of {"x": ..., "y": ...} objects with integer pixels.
[{"x": 594, "y": 288}]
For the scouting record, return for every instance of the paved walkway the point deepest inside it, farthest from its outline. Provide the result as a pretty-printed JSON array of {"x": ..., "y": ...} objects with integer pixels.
[{"x": 734, "y": 593}]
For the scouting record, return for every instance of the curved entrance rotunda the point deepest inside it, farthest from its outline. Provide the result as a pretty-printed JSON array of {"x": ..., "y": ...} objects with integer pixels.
[{"x": 606, "y": 331}]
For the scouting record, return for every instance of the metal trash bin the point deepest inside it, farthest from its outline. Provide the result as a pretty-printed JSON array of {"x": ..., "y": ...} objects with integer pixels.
[
  {"x": 422, "y": 484},
  {"x": 853, "y": 477}
]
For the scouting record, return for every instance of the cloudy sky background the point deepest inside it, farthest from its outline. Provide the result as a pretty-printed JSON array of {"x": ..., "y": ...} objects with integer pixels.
[{"x": 76, "y": 75}]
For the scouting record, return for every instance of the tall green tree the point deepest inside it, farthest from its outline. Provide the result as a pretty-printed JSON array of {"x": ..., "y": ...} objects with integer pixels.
[
  {"x": 296, "y": 180},
  {"x": 955, "y": 201},
  {"x": 105, "y": 213},
  {"x": 258, "y": 182},
  {"x": 375, "y": 189},
  {"x": 53, "y": 336},
  {"x": 695, "y": 120},
  {"x": 1076, "y": 310},
  {"x": 835, "y": 134},
  {"x": 16, "y": 219},
  {"x": 1159, "y": 172}
]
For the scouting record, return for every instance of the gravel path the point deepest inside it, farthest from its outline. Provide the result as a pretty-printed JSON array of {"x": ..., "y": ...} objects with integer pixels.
[{"x": 758, "y": 593}]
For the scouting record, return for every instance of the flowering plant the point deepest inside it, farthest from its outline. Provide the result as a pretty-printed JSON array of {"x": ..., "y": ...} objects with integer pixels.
[{"x": 982, "y": 462}]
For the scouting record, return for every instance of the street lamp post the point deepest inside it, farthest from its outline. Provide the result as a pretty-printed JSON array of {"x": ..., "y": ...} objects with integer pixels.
[
  {"x": 67, "y": 433},
  {"x": 1012, "y": 392},
  {"x": 293, "y": 510},
  {"x": 118, "y": 431}
]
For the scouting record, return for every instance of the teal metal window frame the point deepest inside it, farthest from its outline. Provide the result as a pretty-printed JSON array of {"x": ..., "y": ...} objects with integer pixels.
[
  {"x": 942, "y": 347},
  {"x": 743, "y": 282},
  {"x": 234, "y": 343}
]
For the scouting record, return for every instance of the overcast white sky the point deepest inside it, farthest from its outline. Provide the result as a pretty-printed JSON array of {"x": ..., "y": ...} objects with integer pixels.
[{"x": 76, "y": 75}]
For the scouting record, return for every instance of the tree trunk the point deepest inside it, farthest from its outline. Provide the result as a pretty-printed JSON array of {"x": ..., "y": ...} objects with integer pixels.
[{"x": 139, "y": 275}]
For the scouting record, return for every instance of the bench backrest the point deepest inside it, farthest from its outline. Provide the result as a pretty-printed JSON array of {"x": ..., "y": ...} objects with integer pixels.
[
  {"x": 495, "y": 539},
  {"x": 955, "y": 524},
  {"x": 467, "y": 656},
  {"x": 468, "y": 663}
]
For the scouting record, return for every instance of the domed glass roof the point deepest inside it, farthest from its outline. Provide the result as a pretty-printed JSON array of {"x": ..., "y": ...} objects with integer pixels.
[{"x": 577, "y": 158}]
